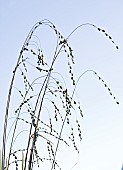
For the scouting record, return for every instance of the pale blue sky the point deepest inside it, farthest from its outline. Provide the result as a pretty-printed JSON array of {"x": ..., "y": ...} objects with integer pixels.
[{"x": 102, "y": 145}]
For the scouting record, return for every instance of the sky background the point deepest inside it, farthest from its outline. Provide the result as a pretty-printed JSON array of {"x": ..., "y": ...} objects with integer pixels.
[{"x": 102, "y": 125}]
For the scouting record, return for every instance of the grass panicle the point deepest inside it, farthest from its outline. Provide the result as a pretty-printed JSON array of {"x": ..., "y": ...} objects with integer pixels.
[{"x": 44, "y": 106}]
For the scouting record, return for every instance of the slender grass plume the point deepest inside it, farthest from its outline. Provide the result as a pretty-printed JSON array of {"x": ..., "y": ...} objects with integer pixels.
[{"x": 42, "y": 111}]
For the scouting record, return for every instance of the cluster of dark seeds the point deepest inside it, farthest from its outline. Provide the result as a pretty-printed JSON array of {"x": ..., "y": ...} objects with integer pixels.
[
  {"x": 21, "y": 93},
  {"x": 79, "y": 130},
  {"x": 80, "y": 110},
  {"x": 23, "y": 103},
  {"x": 36, "y": 154},
  {"x": 24, "y": 65},
  {"x": 107, "y": 35},
  {"x": 26, "y": 82},
  {"x": 106, "y": 86},
  {"x": 24, "y": 120},
  {"x": 16, "y": 162},
  {"x": 51, "y": 160},
  {"x": 39, "y": 55},
  {"x": 72, "y": 138},
  {"x": 48, "y": 148},
  {"x": 33, "y": 120},
  {"x": 54, "y": 135},
  {"x": 56, "y": 111},
  {"x": 53, "y": 92},
  {"x": 41, "y": 58},
  {"x": 71, "y": 73}
]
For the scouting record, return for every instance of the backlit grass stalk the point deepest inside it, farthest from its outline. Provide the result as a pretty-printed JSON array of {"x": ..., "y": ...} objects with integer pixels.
[{"x": 33, "y": 101}]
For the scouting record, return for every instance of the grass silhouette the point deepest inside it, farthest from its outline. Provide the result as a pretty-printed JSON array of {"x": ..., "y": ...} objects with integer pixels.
[{"x": 42, "y": 90}]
